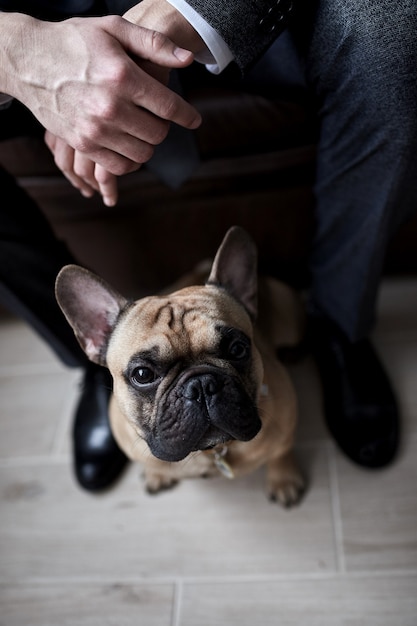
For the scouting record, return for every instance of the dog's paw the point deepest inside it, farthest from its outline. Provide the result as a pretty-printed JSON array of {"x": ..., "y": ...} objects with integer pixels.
[
  {"x": 285, "y": 483},
  {"x": 287, "y": 492},
  {"x": 156, "y": 482}
]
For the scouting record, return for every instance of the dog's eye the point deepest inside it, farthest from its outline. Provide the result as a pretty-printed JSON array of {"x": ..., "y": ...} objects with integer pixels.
[
  {"x": 235, "y": 347},
  {"x": 238, "y": 350},
  {"x": 142, "y": 376}
]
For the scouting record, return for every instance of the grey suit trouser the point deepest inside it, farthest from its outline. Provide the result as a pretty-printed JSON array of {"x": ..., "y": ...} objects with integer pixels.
[
  {"x": 30, "y": 259},
  {"x": 359, "y": 60}
]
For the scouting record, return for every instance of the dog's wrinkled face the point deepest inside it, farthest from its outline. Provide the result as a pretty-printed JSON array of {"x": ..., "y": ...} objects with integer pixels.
[
  {"x": 185, "y": 367},
  {"x": 186, "y": 371}
]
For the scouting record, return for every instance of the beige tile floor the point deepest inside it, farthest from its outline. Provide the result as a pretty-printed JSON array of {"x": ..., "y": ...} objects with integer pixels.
[{"x": 208, "y": 553}]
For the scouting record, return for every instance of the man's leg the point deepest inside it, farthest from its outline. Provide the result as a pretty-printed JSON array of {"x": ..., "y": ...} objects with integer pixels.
[
  {"x": 30, "y": 258},
  {"x": 361, "y": 65}
]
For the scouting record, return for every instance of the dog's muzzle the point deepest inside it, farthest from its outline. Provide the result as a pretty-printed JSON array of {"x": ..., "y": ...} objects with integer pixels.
[{"x": 201, "y": 411}]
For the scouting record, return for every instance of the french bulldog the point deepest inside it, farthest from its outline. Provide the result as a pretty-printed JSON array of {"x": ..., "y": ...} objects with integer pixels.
[{"x": 198, "y": 388}]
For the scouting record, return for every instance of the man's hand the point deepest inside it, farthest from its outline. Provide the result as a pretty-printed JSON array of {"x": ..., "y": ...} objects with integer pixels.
[
  {"x": 81, "y": 79},
  {"x": 85, "y": 175}
]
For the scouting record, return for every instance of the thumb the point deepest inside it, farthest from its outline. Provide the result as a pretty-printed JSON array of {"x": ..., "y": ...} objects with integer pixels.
[{"x": 154, "y": 46}]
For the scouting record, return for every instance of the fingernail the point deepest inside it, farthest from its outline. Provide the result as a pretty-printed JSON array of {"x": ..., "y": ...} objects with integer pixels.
[
  {"x": 196, "y": 122},
  {"x": 182, "y": 55}
]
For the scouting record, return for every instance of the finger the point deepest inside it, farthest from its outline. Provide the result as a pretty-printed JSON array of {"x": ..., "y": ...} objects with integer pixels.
[
  {"x": 141, "y": 131},
  {"x": 107, "y": 185},
  {"x": 151, "y": 95},
  {"x": 65, "y": 160},
  {"x": 126, "y": 148},
  {"x": 83, "y": 171},
  {"x": 154, "y": 46},
  {"x": 50, "y": 140},
  {"x": 119, "y": 153},
  {"x": 146, "y": 91}
]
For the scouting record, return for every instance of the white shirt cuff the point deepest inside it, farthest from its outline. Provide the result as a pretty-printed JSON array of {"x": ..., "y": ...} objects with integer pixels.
[{"x": 218, "y": 55}]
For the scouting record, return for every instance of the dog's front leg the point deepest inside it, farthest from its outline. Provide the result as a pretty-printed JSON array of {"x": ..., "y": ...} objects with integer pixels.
[
  {"x": 285, "y": 484},
  {"x": 159, "y": 476}
]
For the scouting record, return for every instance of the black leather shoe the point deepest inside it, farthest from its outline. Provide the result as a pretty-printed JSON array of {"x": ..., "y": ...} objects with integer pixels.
[
  {"x": 359, "y": 404},
  {"x": 98, "y": 460}
]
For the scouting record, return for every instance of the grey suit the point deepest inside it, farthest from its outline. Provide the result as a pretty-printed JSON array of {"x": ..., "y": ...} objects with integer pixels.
[
  {"x": 359, "y": 59},
  {"x": 247, "y": 27}
]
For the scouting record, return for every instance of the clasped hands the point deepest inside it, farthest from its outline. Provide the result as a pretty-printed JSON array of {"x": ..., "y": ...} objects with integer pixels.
[{"x": 126, "y": 107}]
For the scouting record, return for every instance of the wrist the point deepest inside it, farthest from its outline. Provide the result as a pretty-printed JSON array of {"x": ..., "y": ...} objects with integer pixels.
[{"x": 15, "y": 30}]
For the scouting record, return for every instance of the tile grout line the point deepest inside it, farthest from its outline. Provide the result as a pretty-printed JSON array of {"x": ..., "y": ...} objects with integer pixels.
[
  {"x": 33, "y": 369},
  {"x": 177, "y": 601},
  {"x": 336, "y": 510},
  {"x": 34, "y": 461},
  {"x": 179, "y": 583}
]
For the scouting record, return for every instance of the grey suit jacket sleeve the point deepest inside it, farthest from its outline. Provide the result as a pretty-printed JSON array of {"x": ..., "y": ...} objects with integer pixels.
[{"x": 247, "y": 26}]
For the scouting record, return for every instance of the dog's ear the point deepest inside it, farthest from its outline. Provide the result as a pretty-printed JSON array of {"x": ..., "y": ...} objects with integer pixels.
[
  {"x": 91, "y": 307},
  {"x": 235, "y": 268}
]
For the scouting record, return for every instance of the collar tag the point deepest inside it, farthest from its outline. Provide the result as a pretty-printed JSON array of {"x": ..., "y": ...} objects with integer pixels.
[{"x": 221, "y": 463}]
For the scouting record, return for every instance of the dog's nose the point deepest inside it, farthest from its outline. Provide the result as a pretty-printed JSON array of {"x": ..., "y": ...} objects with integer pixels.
[{"x": 201, "y": 387}]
